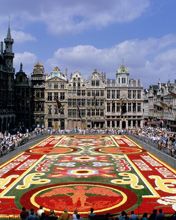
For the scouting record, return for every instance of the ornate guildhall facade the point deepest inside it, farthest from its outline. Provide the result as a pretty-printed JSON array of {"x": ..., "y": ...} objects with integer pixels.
[{"x": 94, "y": 103}]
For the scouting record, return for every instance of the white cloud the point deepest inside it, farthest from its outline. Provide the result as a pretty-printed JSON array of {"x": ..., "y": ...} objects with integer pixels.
[
  {"x": 65, "y": 16},
  {"x": 28, "y": 60},
  {"x": 91, "y": 14},
  {"x": 150, "y": 59},
  {"x": 21, "y": 37}
]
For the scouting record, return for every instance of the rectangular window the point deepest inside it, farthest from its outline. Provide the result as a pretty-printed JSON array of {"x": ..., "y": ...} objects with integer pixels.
[
  {"x": 139, "y": 107},
  {"x": 129, "y": 94},
  {"x": 113, "y": 107},
  {"x": 74, "y": 102},
  {"x": 69, "y": 102},
  {"x": 55, "y": 85},
  {"x": 108, "y": 107},
  {"x": 88, "y": 112},
  {"x": 93, "y": 112},
  {"x": 69, "y": 113},
  {"x": 97, "y": 93},
  {"x": 83, "y": 92},
  {"x": 97, "y": 82},
  {"x": 93, "y": 83},
  {"x": 101, "y": 103},
  {"x": 101, "y": 112},
  {"x": 139, "y": 94},
  {"x": 88, "y": 102},
  {"x": 55, "y": 95},
  {"x": 62, "y": 95},
  {"x": 134, "y": 107},
  {"x": 118, "y": 94},
  {"x": 88, "y": 93},
  {"x": 74, "y": 113},
  {"x": 83, "y": 102},
  {"x": 118, "y": 107},
  {"x": 108, "y": 94},
  {"x": 93, "y": 92},
  {"x": 102, "y": 92},
  {"x": 62, "y": 85},
  {"x": 134, "y": 94},
  {"x": 49, "y": 96},
  {"x": 83, "y": 112},
  {"x": 49, "y": 123},
  {"x": 96, "y": 102},
  {"x": 113, "y": 94},
  {"x": 129, "y": 107},
  {"x": 97, "y": 112},
  {"x": 78, "y": 92},
  {"x": 123, "y": 80}
]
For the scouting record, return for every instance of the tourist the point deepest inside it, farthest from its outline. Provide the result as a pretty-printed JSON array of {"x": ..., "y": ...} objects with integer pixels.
[
  {"x": 24, "y": 214},
  {"x": 52, "y": 215},
  {"x": 133, "y": 216},
  {"x": 65, "y": 215},
  {"x": 153, "y": 215},
  {"x": 160, "y": 215},
  {"x": 123, "y": 216},
  {"x": 78, "y": 217},
  {"x": 91, "y": 215},
  {"x": 32, "y": 215},
  {"x": 40, "y": 211},
  {"x": 74, "y": 216},
  {"x": 145, "y": 216}
]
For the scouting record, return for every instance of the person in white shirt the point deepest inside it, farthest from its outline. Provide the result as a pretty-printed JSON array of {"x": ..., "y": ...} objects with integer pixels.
[{"x": 40, "y": 211}]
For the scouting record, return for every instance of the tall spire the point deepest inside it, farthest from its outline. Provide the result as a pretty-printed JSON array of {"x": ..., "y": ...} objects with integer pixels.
[
  {"x": 21, "y": 67},
  {"x": 9, "y": 31}
]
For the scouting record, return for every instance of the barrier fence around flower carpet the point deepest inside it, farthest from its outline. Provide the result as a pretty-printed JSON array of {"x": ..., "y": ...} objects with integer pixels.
[{"x": 110, "y": 173}]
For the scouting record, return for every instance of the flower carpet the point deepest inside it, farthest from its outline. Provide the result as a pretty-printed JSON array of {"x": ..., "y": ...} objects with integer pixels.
[{"x": 110, "y": 173}]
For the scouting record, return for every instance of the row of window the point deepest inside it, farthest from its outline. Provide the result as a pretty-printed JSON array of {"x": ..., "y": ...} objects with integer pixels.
[
  {"x": 130, "y": 107},
  {"x": 74, "y": 113},
  {"x": 83, "y": 102},
  {"x": 56, "y": 85},
  {"x": 111, "y": 94},
  {"x": 133, "y": 94},
  {"x": 122, "y": 80},
  {"x": 56, "y": 95},
  {"x": 117, "y": 123}
]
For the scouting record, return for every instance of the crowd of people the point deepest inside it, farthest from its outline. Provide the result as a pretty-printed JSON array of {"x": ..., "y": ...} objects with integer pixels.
[
  {"x": 40, "y": 214},
  {"x": 161, "y": 138},
  {"x": 9, "y": 142}
]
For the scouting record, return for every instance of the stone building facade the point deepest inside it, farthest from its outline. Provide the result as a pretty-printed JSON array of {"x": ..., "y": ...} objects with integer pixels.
[
  {"x": 38, "y": 95},
  {"x": 161, "y": 105},
  {"x": 7, "y": 71},
  {"x": 22, "y": 100},
  {"x": 55, "y": 92},
  {"x": 94, "y": 103}
]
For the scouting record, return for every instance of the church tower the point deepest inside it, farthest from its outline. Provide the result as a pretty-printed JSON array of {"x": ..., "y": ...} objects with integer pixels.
[{"x": 8, "y": 52}]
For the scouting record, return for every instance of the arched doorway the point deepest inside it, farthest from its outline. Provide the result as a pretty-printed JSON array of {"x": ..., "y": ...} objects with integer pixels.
[{"x": 123, "y": 124}]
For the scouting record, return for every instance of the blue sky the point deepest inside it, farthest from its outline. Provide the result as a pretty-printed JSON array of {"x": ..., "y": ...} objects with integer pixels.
[{"x": 81, "y": 35}]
